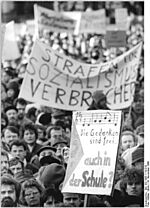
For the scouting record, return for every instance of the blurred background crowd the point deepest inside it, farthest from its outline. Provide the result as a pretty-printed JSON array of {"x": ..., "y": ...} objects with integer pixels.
[{"x": 35, "y": 139}]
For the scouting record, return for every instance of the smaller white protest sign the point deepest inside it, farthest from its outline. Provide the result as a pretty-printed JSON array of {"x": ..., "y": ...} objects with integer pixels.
[
  {"x": 121, "y": 17},
  {"x": 93, "y": 22},
  {"x": 10, "y": 46},
  {"x": 93, "y": 152},
  {"x": 52, "y": 20},
  {"x": 115, "y": 39}
]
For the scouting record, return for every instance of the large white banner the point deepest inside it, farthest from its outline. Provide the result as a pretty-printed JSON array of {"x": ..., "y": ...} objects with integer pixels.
[
  {"x": 53, "y": 21},
  {"x": 56, "y": 80},
  {"x": 10, "y": 47},
  {"x": 93, "y": 152}
]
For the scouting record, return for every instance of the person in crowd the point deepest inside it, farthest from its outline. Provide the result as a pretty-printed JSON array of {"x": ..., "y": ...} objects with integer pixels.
[
  {"x": 12, "y": 92},
  {"x": 31, "y": 114},
  {"x": 52, "y": 197},
  {"x": 20, "y": 105},
  {"x": 4, "y": 120},
  {"x": 4, "y": 162},
  {"x": 30, "y": 135},
  {"x": 10, "y": 192},
  {"x": 128, "y": 140},
  {"x": 31, "y": 193},
  {"x": 11, "y": 113},
  {"x": 72, "y": 199},
  {"x": 9, "y": 134},
  {"x": 42, "y": 139},
  {"x": 137, "y": 110},
  {"x": 7, "y": 75},
  {"x": 16, "y": 165},
  {"x": 99, "y": 101}
]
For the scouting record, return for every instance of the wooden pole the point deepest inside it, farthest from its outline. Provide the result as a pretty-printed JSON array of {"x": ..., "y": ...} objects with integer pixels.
[{"x": 85, "y": 200}]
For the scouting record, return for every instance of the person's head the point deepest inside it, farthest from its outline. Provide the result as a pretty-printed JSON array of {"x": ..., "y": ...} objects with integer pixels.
[
  {"x": 16, "y": 165},
  {"x": 4, "y": 120},
  {"x": 66, "y": 154},
  {"x": 138, "y": 157},
  {"x": 7, "y": 74},
  {"x": 52, "y": 196},
  {"x": 29, "y": 134},
  {"x": 10, "y": 134},
  {"x": 140, "y": 134},
  {"x": 41, "y": 133},
  {"x": 58, "y": 115},
  {"x": 128, "y": 140},
  {"x": 72, "y": 199},
  {"x": 138, "y": 104},
  {"x": 100, "y": 99},
  {"x": 4, "y": 162},
  {"x": 31, "y": 193},
  {"x": 18, "y": 149},
  {"x": 9, "y": 189},
  {"x": 132, "y": 182},
  {"x": 11, "y": 113},
  {"x": 21, "y": 105},
  {"x": 3, "y": 91},
  {"x": 12, "y": 90},
  {"x": 31, "y": 114}
]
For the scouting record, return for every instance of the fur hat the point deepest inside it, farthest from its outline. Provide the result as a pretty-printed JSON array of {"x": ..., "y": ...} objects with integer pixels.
[
  {"x": 52, "y": 174},
  {"x": 46, "y": 148}
]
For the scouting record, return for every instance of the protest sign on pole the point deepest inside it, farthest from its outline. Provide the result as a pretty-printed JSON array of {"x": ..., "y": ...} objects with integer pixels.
[
  {"x": 53, "y": 21},
  {"x": 10, "y": 47},
  {"x": 93, "y": 22},
  {"x": 56, "y": 80},
  {"x": 115, "y": 39},
  {"x": 93, "y": 152}
]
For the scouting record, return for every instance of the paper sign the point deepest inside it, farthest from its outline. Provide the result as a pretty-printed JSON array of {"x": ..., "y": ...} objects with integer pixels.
[
  {"x": 93, "y": 152},
  {"x": 115, "y": 39},
  {"x": 53, "y": 21},
  {"x": 56, "y": 80},
  {"x": 10, "y": 46},
  {"x": 93, "y": 22}
]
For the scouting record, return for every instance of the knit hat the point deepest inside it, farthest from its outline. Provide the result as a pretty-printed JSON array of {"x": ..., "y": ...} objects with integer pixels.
[
  {"x": 52, "y": 174},
  {"x": 46, "y": 148},
  {"x": 138, "y": 154},
  {"x": 11, "y": 107},
  {"x": 98, "y": 95}
]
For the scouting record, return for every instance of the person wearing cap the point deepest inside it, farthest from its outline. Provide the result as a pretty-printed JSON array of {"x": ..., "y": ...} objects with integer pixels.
[
  {"x": 31, "y": 193},
  {"x": 11, "y": 113},
  {"x": 9, "y": 134},
  {"x": 47, "y": 155},
  {"x": 58, "y": 115},
  {"x": 10, "y": 192},
  {"x": 138, "y": 157},
  {"x": 99, "y": 101}
]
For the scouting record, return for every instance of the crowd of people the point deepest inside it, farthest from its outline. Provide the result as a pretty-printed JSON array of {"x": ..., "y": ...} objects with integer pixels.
[{"x": 35, "y": 139}]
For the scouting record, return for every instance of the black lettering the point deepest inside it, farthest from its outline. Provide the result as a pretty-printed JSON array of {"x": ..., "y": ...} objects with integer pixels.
[
  {"x": 118, "y": 92},
  {"x": 45, "y": 69},
  {"x": 118, "y": 75},
  {"x": 55, "y": 76},
  {"x": 59, "y": 93},
  {"x": 48, "y": 58},
  {"x": 107, "y": 78},
  {"x": 57, "y": 60},
  {"x": 127, "y": 78},
  {"x": 32, "y": 66},
  {"x": 77, "y": 81},
  {"x": 73, "y": 96},
  {"x": 86, "y": 95},
  {"x": 33, "y": 90},
  {"x": 107, "y": 95},
  {"x": 79, "y": 70},
  {"x": 126, "y": 92},
  {"x": 84, "y": 177},
  {"x": 67, "y": 66},
  {"x": 45, "y": 91}
]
